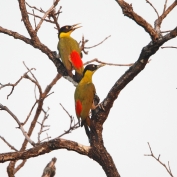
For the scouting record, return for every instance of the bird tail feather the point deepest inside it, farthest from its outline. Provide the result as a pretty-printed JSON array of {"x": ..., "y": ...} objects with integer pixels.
[{"x": 88, "y": 123}]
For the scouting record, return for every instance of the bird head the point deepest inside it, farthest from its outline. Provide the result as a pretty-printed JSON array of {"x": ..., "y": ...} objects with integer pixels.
[
  {"x": 90, "y": 69},
  {"x": 67, "y": 30}
]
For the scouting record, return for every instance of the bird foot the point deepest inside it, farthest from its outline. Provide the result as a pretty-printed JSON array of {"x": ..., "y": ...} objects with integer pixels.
[{"x": 100, "y": 105}]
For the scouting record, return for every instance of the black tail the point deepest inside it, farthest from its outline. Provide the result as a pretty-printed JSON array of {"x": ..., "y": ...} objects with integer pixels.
[
  {"x": 87, "y": 131},
  {"x": 92, "y": 129}
]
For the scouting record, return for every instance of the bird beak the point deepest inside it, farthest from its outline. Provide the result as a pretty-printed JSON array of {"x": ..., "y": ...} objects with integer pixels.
[
  {"x": 76, "y": 26},
  {"x": 99, "y": 66}
]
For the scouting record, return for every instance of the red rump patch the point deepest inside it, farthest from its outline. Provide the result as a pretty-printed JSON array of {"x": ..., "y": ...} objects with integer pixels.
[
  {"x": 78, "y": 108},
  {"x": 76, "y": 59}
]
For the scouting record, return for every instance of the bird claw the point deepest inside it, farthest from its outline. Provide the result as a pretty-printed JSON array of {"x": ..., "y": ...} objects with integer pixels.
[{"x": 101, "y": 106}]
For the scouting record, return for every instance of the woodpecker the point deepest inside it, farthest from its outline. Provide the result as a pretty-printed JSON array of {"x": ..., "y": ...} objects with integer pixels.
[
  {"x": 84, "y": 97},
  {"x": 69, "y": 50}
]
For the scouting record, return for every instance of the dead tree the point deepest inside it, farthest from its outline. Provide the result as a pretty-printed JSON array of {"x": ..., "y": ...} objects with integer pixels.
[{"x": 96, "y": 150}]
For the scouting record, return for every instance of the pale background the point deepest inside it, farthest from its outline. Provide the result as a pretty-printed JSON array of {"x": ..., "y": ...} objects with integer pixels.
[{"x": 145, "y": 110}]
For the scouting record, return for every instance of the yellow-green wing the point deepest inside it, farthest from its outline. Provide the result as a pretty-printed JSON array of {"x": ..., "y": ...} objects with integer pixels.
[
  {"x": 85, "y": 94},
  {"x": 65, "y": 46}
]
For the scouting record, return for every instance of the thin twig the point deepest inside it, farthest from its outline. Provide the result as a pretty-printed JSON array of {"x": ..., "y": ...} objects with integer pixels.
[
  {"x": 111, "y": 64},
  {"x": 82, "y": 45},
  {"x": 16, "y": 83},
  {"x": 46, "y": 115},
  {"x": 58, "y": 13},
  {"x": 33, "y": 7},
  {"x": 98, "y": 43},
  {"x": 158, "y": 159},
  {"x": 46, "y": 14},
  {"x": 34, "y": 80},
  {"x": 72, "y": 126},
  {"x": 167, "y": 31},
  {"x": 30, "y": 112},
  {"x": 169, "y": 47},
  {"x": 47, "y": 138},
  {"x": 19, "y": 124},
  {"x": 30, "y": 71},
  {"x": 34, "y": 19},
  {"x": 165, "y": 5},
  {"x": 50, "y": 21},
  {"x": 53, "y": 15},
  {"x": 153, "y": 7},
  {"x": 12, "y": 147},
  {"x": 35, "y": 94}
]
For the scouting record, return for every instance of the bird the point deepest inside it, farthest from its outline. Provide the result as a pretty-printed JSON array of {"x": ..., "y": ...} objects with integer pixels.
[
  {"x": 84, "y": 98},
  {"x": 69, "y": 50}
]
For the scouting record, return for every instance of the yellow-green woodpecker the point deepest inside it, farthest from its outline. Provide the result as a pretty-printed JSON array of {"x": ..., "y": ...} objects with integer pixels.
[
  {"x": 84, "y": 97},
  {"x": 69, "y": 50}
]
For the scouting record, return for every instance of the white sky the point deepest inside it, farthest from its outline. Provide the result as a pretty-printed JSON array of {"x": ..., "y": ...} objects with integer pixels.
[{"x": 145, "y": 110}]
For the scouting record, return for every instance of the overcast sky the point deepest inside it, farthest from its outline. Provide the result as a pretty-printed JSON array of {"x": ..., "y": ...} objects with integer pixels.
[{"x": 145, "y": 110}]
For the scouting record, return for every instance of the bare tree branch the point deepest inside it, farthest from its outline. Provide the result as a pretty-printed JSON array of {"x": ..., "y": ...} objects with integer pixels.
[
  {"x": 28, "y": 116},
  {"x": 33, "y": 7},
  {"x": 26, "y": 21},
  {"x": 165, "y": 6},
  {"x": 39, "y": 108},
  {"x": 46, "y": 115},
  {"x": 41, "y": 99},
  {"x": 72, "y": 126},
  {"x": 153, "y": 7},
  {"x": 34, "y": 19},
  {"x": 46, "y": 14},
  {"x": 169, "y": 47},
  {"x": 167, "y": 31},
  {"x": 15, "y": 35},
  {"x": 45, "y": 147},
  {"x": 52, "y": 14},
  {"x": 8, "y": 144},
  {"x": 37, "y": 16},
  {"x": 16, "y": 83},
  {"x": 128, "y": 11},
  {"x": 158, "y": 159},
  {"x": 20, "y": 166},
  {"x": 168, "y": 10},
  {"x": 98, "y": 43},
  {"x": 111, "y": 64},
  {"x": 99, "y": 115},
  {"x": 158, "y": 22},
  {"x": 19, "y": 124}
]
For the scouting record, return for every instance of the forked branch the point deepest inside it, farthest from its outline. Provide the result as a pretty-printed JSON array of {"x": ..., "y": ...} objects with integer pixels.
[
  {"x": 128, "y": 11},
  {"x": 16, "y": 83},
  {"x": 72, "y": 125},
  {"x": 19, "y": 124},
  {"x": 158, "y": 159},
  {"x": 42, "y": 130}
]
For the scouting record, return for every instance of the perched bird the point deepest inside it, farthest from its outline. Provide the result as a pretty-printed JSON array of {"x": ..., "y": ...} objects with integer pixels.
[
  {"x": 84, "y": 98},
  {"x": 69, "y": 50}
]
